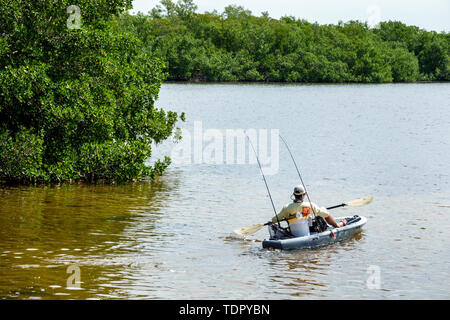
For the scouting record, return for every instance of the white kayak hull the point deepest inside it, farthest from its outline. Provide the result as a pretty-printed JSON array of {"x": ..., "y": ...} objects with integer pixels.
[{"x": 317, "y": 239}]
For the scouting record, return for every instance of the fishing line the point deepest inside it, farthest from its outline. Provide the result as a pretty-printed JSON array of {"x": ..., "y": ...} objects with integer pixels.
[
  {"x": 260, "y": 168},
  {"x": 298, "y": 171}
]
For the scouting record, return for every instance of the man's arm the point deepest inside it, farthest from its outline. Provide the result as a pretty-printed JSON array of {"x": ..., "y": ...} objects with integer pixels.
[
  {"x": 323, "y": 212},
  {"x": 280, "y": 215},
  {"x": 331, "y": 221}
]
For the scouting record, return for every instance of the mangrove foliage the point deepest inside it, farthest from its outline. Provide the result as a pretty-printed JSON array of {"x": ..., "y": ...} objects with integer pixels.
[
  {"x": 235, "y": 45},
  {"x": 77, "y": 98}
]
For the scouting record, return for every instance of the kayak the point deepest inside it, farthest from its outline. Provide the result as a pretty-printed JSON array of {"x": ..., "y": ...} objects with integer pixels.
[{"x": 331, "y": 235}]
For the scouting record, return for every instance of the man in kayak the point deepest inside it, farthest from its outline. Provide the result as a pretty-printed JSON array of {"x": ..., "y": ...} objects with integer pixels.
[{"x": 307, "y": 209}]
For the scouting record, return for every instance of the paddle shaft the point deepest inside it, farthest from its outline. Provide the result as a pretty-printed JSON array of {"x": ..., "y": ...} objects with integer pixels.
[{"x": 338, "y": 206}]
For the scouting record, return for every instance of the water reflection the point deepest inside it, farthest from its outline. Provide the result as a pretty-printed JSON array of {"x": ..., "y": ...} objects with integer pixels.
[
  {"x": 305, "y": 273},
  {"x": 171, "y": 238},
  {"x": 98, "y": 228}
]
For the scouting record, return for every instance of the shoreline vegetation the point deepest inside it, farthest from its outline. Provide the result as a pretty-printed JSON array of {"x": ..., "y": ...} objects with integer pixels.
[
  {"x": 77, "y": 99},
  {"x": 78, "y": 83},
  {"x": 235, "y": 45}
]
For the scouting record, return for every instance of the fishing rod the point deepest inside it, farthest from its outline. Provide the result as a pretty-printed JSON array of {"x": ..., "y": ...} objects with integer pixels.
[
  {"x": 298, "y": 171},
  {"x": 260, "y": 168}
]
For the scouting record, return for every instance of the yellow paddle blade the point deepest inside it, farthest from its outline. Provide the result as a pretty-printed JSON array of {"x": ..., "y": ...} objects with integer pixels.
[
  {"x": 249, "y": 230},
  {"x": 359, "y": 202}
]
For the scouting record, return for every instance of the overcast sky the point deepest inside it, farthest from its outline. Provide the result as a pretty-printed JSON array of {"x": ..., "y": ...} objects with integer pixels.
[{"x": 427, "y": 14}]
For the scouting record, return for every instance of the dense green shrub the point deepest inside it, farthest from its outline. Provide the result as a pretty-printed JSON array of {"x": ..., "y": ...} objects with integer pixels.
[
  {"x": 236, "y": 45},
  {"x": 404, "y": 65},
  {"x": 76, "y": 103},
  {"x": 21, "y": 155}
]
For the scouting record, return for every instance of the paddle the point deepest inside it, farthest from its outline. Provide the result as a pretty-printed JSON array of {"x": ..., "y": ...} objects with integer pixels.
[{"x": 354, "y": 203}]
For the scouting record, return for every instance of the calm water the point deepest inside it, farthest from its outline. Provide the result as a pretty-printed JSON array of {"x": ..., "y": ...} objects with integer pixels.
[{"x": 173, "y": 239}]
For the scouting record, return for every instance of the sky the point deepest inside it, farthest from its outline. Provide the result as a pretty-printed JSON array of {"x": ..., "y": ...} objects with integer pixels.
[{"x": 426, "y": 14}]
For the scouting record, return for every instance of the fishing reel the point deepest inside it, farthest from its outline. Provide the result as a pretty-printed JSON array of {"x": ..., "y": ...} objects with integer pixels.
[{"x": 319, "y": 225}]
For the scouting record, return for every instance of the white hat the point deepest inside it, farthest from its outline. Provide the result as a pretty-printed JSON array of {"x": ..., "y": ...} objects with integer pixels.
[{"x": 299, "y": 190}]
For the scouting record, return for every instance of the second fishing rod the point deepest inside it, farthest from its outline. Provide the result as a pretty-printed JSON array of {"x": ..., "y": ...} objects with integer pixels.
[{"x": 265, "y": 181}]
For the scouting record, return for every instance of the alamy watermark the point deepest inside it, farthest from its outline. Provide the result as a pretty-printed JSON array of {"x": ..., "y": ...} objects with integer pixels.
[
  {"x": 74, "y": 19},
  {"x": 373, "y": 281},
  {"x": 74, "y": 280},
  {"x": 228, "y": 147},
  {"x": 373, "y": 16}
]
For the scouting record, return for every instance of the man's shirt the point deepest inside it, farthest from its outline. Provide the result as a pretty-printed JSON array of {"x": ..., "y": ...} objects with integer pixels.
[{"x": 290, "y": 210}]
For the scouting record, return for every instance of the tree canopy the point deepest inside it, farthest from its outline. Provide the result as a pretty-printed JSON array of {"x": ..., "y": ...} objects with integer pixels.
[
  {"x": 77, "y": 98},
  {"x": 236, "y": 45}
]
